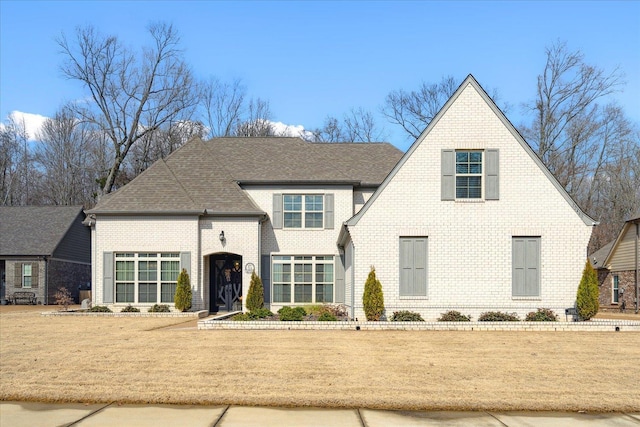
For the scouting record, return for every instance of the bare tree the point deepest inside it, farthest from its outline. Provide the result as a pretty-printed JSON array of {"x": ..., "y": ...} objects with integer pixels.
[
  {"x": 223, "y": 106},
  {"x": 257, "y": 121},
  {"x": 17, "y": 174},
  {"x": 358, "y": 125},
  {"x": 566, "y": 106},
  {"x": 414, "y": 110},
  {"x": 130, "y": 96},
  {"x": 63, "y": 156}
]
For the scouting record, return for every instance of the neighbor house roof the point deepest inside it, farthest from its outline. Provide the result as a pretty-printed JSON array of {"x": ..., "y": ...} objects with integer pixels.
[
  {"x": 598, "y": 257},
  {"x": 205, "y": 176},
  {"x": 34, "y": 230},
  {"x": 635, "y": 219}
]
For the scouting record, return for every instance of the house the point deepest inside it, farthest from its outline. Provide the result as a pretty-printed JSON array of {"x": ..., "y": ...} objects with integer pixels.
[
  {"x": 467, "y": 219},
  {"x": 617, "y": 264},
  {"x": 42, "y": 249}
]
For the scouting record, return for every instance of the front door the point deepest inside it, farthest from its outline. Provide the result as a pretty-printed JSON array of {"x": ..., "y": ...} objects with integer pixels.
[{"x": 225, "y": 281}]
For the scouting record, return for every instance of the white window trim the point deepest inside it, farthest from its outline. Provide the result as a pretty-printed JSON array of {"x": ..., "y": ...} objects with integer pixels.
[
  {"x": 480, "y": 175},
  {"x": 25, "y": 275},
  {"x": 302, "y": 211},
  {"x": 292, "y": 261},
  {"x": 135, "y": 257},
  {"x": 613, "y": 283}
]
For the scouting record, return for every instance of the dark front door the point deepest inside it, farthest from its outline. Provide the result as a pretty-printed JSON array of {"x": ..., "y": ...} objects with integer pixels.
[{"x": 225, "y": 281}]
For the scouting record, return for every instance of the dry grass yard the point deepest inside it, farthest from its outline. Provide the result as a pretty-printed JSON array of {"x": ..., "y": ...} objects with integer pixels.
[{"x": 56, "y": 359}]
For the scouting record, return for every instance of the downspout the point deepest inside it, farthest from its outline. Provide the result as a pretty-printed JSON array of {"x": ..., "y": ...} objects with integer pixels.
[
  {"x": 353, "y": 281},
  {"x": 46, "y": 281}
]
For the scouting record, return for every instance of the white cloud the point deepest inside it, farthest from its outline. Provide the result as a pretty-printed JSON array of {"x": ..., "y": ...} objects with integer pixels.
[
  {"x": 282, "y": 129},
  {"x": 32, "y": 122}
]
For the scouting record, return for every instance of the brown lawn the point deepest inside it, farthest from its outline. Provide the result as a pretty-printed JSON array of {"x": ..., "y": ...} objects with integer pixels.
[{"x": 84, "y": 359}]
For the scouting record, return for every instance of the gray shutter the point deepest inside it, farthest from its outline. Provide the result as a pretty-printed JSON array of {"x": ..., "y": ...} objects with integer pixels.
[
  {"x": 17, "y": 275},
  {"x": 276, "y": 220},
  {"x": 107, "y": 277},
  {"x": 420, "y": 266},
  {"x": 491, "y": 178},
  {"x": 339, "y": 291},
  {"x": 406, "y": 267},
  {"x": 265, "y": 275},
  {"x": 413, "y": 266},
  {"x": 328, "y": 211},
  {"x": 526, "y": 266},
  {"x": 448, "y": 175},
  {"x": 185, "y": 262},
  {"x": 35, "y": 267}
]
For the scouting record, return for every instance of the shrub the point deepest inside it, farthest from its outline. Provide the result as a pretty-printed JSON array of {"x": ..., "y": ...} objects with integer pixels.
[
  {"x": 242, "y": 317},
  {"x": 288, "y": 314},
  {"x": 99, "y": 309},
  {"x": 327, "y": 317},
  {"x": 63, "y": 298},
  {"x": 183, "y": 295},
  {"x": 541, "y": 315},
  {"x": 498, "y": 316},
  {"x": 255, "y": 296},
  {"x": 373, "y": 299},
  {"x": 159, "y": 308},
  {"x": 587, "y": 299},
  {"x": 337, "y": 310},
  {"x": 261, "y": 313},
  {"x": 130, "y": 309},
  {"x": 453, "y": 316},
  {"x": 406, "y": 316}
]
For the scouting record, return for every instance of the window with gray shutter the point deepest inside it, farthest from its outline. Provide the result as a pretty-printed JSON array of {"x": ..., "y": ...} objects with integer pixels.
[
  {"x": 185, "y": 262},
  {"x": 265, "y": 275},
  {"x": 340, "y": 291},
  {"x": 526, "y": 266},
  {"x": 413, "y": 266}
]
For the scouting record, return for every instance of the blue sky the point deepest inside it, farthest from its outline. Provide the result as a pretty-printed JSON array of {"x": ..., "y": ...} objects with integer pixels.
[{"x": 313, "y": 59}]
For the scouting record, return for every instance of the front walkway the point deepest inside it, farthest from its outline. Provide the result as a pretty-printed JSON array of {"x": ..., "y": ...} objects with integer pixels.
[{"x": 29, "y": 414}]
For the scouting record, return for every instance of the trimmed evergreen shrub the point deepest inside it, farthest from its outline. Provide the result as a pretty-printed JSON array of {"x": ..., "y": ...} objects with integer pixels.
[
  {"x": 255, "y": 296},
  {"x": 242, "y": 317},
  {"x": 373, "y": 299},
  {"x": 542, "y": 315},
  {"x": 453, "y": 316},
  {"x": 406, "y": 316},
  {"x": 289, "y": 314},
  {"x": 130, "y": 309},
  {"x": 182, "y": 299},
  {"x": 99, "y": 309},
  {"x": 261, "y": 313},
  {"x": 587, "y": 299},
  {"x": 327, "y": 317},
  {"x": 498, "y": 316},
  {"x": 159, "y": 308}
]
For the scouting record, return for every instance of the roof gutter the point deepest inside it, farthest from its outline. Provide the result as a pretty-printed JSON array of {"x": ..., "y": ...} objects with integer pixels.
[
  {"x": 300, "y": 182},
  {"x": 144, "y": 213}
]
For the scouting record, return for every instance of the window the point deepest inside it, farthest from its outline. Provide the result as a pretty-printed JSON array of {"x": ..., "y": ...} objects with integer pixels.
[
  {"x": 303, "y": 211},
  {"x": 26, "y": 276},
  {"x": 413, "y": 266},
  {"x": 525, "y": 266},
  {"x": 615, "y": 289},
  {"x": 137, "y": 279},
  {"x": 310, "y": 278},
  {"x": 468, "y": 174}
]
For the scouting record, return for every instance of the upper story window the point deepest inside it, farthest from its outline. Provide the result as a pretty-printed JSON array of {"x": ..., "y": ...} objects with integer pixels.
[
  {"x": 303, "y": 211},
  {"x": 468, "y": 174}
]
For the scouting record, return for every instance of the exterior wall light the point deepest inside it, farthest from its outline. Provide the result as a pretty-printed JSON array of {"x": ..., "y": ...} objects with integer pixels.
[{"x": 221, "y": 237}]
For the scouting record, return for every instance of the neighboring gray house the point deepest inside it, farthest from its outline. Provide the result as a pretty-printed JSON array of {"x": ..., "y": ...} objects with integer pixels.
[
  {"x": 618, "y": 266},
  {"x": 43, "y": 248}
]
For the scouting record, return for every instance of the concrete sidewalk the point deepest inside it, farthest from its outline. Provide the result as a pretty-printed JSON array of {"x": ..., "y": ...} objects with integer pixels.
[{"x": 17, "y": 414}]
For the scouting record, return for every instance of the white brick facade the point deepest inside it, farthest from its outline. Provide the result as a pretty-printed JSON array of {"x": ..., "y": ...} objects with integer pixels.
[{"x": 470, "y": 242}]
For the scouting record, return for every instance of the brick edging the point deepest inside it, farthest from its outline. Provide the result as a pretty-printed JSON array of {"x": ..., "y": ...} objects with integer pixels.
[
  {"x": 598, "y": 326},
  {"x": 196, "y": 314}
]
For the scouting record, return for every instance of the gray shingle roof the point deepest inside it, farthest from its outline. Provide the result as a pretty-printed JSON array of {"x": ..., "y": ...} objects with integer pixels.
[
  {"x": 34, "y": 230},
  {"x": 204, "y": 175}
]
